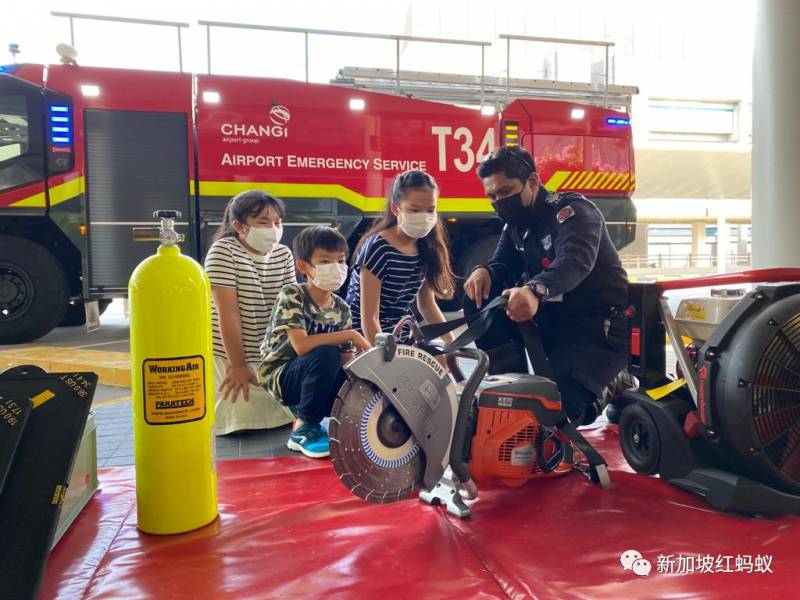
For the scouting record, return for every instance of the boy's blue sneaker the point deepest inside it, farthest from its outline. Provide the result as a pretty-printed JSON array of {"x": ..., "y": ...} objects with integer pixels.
[{"x": 311, "y": 440}]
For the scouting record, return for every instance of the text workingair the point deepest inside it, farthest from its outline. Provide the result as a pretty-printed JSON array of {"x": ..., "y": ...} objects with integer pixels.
[{"x": 154, "y": 369}]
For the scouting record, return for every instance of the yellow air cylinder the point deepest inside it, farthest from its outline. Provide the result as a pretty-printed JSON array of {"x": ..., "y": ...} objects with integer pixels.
[{"x": 172, "y": 380}]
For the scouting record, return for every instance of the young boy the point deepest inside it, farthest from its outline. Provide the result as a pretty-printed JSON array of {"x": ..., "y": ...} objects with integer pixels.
[{"x": 309, "y": 337}]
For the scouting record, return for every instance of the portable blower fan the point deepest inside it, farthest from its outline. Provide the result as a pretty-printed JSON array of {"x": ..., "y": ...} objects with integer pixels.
[
  {"x": 751, "y": 374},
  {"x": 732, "y": 434}
]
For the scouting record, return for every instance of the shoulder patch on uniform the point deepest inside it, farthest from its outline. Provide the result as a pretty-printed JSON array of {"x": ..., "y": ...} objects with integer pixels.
[
  {"x": 552, "y": 197},
  {"x": 565, "y": 213}
]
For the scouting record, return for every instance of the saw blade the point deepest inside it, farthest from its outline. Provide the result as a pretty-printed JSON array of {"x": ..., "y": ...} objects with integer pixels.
[{"x": 374, "y": 452}]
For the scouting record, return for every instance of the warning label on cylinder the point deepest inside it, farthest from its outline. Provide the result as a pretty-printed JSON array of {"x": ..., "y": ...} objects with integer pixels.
[{"x": 174, "y": 390}]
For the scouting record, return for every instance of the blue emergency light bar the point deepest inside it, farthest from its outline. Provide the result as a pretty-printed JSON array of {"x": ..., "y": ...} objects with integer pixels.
[
  {"x": 60, "y": 114},
  {"x": 618, "y": 121}
]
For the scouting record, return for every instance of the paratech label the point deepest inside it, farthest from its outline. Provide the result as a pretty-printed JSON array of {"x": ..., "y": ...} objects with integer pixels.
[{"x": 174, "y": 390}]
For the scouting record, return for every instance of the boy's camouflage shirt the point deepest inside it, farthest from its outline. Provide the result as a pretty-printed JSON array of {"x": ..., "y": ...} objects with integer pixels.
[{"x": 294, "y": 309}]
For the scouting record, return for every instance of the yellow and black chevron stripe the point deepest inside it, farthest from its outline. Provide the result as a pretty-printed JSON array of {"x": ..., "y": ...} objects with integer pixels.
[{"x": 622, "y": 181}]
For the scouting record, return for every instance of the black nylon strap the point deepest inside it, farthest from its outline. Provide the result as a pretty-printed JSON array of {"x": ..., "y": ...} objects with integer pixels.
[
  {"x": 535, "y": 349},
  {"x": 556, "y": 458},
  {"x": 431, "y": 332},
  {"x": 477, "y": 327},
  {"x": 581, "y": 443}
]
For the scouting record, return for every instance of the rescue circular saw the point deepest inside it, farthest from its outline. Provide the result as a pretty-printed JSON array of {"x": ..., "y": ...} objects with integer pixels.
[
  {"x": 399, "y": 424},
  {"x": 374, "y": 452}
]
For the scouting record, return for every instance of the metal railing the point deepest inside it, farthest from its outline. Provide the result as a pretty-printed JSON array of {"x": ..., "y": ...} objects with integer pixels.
[
  {"x": 548, "y": 86},
  {"x": 684, "y": 261},
  {"x": 72, "y": 16},
  {"x": 397, "y": 39},
  {"x": 549, "y": 40}
]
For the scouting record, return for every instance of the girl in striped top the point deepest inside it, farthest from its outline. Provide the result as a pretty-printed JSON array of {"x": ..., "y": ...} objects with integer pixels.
[
  {"x": 247, "y": 268},
  {"x": 402, "y": 259}
]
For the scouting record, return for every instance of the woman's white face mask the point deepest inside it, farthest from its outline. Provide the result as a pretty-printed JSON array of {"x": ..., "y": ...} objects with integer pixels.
[
  {"x": 418, "y": 225},
  {"x": 263, "y": 239},
  {"x": 330, "y": 276}
]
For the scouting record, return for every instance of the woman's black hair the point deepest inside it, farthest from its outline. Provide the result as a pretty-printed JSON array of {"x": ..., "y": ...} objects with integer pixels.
[
  {"x": 247, "y": 204},
  {"x": 433, "y": 248},
  {"x": 514, "y": 161}
]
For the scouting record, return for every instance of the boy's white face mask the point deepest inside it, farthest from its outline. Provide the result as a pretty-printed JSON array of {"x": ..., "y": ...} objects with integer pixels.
[
  {"x": 330, "y": 276},
  {"x": 418, "y": 225},
  {"x": 263, "y": 239}
]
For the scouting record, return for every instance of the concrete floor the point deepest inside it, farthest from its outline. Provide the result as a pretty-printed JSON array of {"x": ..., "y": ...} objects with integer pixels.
[
  {"x": 112, "y": 411},
  {"x": 113, "y": 334}
]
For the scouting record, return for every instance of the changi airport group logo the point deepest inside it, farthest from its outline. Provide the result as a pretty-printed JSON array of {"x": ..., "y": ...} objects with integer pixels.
[
  {"x": 277, "y": 127},
  {"x": 279, "y": 115}
]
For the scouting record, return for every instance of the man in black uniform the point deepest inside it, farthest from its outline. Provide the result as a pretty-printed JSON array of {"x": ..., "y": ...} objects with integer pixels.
[{"x": 556, "y": 264}]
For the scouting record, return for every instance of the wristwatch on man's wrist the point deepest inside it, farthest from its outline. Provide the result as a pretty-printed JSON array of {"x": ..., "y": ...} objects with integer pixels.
[{"x": 539, "y": 289}]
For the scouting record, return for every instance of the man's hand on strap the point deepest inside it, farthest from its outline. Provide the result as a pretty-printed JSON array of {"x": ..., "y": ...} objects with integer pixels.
[{"x": 522, "y": 304}]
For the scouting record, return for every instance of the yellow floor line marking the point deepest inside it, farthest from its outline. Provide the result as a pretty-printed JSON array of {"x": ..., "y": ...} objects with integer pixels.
[{"x": 110, "y": 402}]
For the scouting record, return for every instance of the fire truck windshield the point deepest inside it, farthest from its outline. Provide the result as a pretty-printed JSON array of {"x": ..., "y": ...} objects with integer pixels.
[
  {"x": 20, "y": 151},
  {"x": 13, "y": 126}
]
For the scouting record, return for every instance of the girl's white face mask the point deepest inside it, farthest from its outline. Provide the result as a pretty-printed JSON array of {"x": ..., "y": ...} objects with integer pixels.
[
  {"x": 418, "y": 225},
  {"x": 263, "y": 239},
  {"x": 330, "y": 276}
]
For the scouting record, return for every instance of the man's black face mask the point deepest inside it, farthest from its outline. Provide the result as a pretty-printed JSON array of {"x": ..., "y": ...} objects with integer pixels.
[{"x": 511, "y": 209}]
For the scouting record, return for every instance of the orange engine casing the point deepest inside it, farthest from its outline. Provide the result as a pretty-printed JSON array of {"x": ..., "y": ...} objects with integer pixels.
[{"x": 505, "y": 447}]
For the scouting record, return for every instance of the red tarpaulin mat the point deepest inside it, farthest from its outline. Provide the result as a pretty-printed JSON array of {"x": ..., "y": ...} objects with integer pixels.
[{"x": 288, "y": 529}]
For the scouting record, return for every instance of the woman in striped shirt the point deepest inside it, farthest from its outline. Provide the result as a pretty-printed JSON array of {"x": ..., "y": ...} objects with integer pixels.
[
  {"x": 247, "y": 268},
  {"x": 402, "y": 259}
]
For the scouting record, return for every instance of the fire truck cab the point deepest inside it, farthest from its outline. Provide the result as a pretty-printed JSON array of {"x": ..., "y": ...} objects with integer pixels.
[{"x": 88, "y": 153}]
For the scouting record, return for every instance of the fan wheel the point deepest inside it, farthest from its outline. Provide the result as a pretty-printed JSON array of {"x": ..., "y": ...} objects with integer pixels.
[
  {"x": 639, "y": 439},
  {"x": 775, "y": 399}
]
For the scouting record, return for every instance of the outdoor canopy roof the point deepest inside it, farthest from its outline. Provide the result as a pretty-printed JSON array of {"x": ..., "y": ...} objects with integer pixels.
[{"x": 712, "y": 171}]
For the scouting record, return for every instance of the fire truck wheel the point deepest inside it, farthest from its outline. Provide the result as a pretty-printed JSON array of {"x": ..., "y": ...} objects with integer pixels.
[
  {"x": 76, "y": 313},
  {"x": 33, "y": 291},
  {"x": 478, "y": 252}
]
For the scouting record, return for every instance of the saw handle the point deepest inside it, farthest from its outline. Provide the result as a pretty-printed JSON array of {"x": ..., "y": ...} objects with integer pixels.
[{"x": 461, "y": 429}]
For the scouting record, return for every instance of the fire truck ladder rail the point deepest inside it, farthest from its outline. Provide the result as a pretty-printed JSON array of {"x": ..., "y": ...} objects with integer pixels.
[{"x": 467, "y": 89}]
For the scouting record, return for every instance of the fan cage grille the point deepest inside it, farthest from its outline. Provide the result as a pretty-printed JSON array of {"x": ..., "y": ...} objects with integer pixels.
[{"x": 775, "y": 398}]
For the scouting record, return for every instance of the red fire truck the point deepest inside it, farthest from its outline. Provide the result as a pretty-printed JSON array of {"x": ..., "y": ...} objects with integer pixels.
[{"x": 87, "y": 153}]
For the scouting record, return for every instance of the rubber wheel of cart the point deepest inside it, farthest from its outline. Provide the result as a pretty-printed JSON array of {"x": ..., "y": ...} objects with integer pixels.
[{"x": 639, "y": 439}]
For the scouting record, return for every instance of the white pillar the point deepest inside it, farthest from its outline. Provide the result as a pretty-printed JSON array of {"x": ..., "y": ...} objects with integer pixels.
[
  {"x": 776, "y": 134},
  {"x": 698, "y": 243},
  {"x": 723, "y": 235}
]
